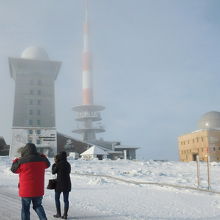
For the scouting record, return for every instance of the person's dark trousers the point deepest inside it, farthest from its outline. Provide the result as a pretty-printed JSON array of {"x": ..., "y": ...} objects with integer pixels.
[
  {"x": 65, "y": 200},
  {"x": 37, "y": 206}
]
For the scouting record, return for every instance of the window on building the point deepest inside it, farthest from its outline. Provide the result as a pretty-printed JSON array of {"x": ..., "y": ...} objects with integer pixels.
[
  {"x": 30, "y": 122},
  {"x": 39, "y": 92},
  {"x": 202, "y": 139},
  {"x": 30, "y": 112},
  {"x": 39, "y": 82},
  {"x": 30, "y": 131},
  {"x": 213, "y": 148},
  {"x": 31, "y": 102},
  {"x": 31, "y": 91},
  {"x": 30, "y": 140},
  {"x": 38, "y": 131},
  {"x": 39, "y": 102},
  {"x": 38, "y": 141},
  {"x": 38, "y": 112},
  {"x": 38, "y": 122}
]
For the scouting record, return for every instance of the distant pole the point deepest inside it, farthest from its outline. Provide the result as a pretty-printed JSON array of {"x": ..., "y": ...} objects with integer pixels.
[
  {"x": 198, "y": 170},
  {"x": 208, "y": 171},
  {"x": 125, "y": 154}
]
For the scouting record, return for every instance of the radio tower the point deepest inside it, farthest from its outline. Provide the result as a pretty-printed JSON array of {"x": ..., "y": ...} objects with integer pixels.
[{"x": 88, "y": 114}]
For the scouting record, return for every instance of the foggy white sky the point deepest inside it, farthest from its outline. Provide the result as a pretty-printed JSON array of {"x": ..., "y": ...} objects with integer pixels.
[{"x": 155, "y": 64}]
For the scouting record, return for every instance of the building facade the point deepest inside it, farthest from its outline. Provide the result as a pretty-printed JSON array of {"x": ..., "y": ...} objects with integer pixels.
[
  {"x": 34, "y": 103},
  {"x": 203, "y": 142}
]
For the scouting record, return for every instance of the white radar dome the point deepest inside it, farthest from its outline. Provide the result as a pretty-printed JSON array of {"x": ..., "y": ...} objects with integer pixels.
[
  {"x": 35, "y": 53},
  {"x": 210, "y": 120}
]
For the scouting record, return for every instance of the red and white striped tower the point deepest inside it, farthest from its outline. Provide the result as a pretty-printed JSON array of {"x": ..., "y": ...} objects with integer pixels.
[
  {"x": 86, "y": 72},
  {"x": 87, "y": 113}
]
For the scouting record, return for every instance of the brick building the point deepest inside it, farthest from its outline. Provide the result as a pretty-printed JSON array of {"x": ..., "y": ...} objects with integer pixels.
[{"x": 203, "y": 142}]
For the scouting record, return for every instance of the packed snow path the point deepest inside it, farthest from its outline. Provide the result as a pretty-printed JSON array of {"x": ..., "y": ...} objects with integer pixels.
[
  {"x": 10, "y": 209},
  {"x": 142, "y": 203}
]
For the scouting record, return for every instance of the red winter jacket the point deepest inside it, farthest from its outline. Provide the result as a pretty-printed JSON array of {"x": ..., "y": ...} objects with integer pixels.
[{"x": 31, "y": 168}]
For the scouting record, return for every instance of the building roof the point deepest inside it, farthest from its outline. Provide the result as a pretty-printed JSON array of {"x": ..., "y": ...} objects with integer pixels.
[
  {"x": 125, "y": 147},
  {"x": 94, "y": 150},
  {"x": 35, "y": 53},
  {"x": 210, "y": 120}
]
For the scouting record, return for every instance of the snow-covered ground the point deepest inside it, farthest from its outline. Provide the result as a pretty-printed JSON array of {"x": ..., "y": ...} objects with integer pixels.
[{"x": 106, "y": 198}]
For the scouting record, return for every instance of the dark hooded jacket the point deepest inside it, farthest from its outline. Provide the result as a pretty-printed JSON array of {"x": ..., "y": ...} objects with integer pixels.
[
  {"x": 31, "y": 168},
  {"x": 63, "y": 169}
]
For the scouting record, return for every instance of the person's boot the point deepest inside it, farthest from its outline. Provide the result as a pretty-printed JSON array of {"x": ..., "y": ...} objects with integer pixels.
[
  {"x": 58, "y": 215},
  {"x": 65, "y": 213},
  {"x": 64, "y": 216}
]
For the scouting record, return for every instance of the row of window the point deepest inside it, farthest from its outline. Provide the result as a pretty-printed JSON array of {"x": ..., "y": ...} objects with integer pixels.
[
  {"x": 32, "y": 102},
  {"x": 197, "y": 139},
  {"x": 190, "y": 150},
  {"x": 30, "y": 131},
  {"x": 32, "y": 92},
  {"x": 31, "y": 112},
  {"x": 30, "y": 140},
  {"x": 38, "y": 82},
  {"x": 200, "y": 158},
  {"x": 31, "y": 122},
  {"x": 199, "y": 150}
]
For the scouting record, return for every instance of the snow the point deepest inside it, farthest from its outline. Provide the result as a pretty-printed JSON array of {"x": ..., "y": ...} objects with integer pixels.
[
  {"x": 100, "y": 197},
  {"x": 94, "y": 150}
]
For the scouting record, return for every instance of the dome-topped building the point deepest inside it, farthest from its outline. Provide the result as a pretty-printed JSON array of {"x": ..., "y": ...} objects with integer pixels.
[
  {"x": 35, "y": 53},
  {"x": 34, "y": 106},
  {"x": 210, "y": 120},
  {"x": 203, "y": 142}
]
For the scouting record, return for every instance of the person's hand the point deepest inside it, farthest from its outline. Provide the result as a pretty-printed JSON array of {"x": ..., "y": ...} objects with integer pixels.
[
  {"x": 15, "y": 160},
  {"x": 56, "y": 159}
]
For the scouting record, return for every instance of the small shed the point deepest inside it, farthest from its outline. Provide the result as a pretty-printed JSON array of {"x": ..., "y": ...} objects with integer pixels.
[{"x": 94, "y": 152}]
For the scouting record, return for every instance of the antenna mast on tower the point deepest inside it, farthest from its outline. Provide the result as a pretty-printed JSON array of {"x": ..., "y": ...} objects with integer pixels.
[{"x": 88, "y": 113}]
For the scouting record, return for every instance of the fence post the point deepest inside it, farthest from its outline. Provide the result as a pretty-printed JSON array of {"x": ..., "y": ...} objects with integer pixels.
[
  {"x": 208, "y": 171},
  {"x": 198, "y": 170}
]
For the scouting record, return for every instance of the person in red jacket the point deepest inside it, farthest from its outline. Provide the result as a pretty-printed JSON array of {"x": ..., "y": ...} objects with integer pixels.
[{"x": 31, "y": 169}]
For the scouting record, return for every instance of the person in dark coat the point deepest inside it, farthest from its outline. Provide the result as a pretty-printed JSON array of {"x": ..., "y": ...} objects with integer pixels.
[
  {"x": 62, "y": 168},
  {"x": 31, "y": 169}
]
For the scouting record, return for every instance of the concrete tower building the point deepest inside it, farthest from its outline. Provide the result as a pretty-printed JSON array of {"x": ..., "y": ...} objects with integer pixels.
[
  {"x": 34, "y": 105},
  {"x": 88, "y": 113}
]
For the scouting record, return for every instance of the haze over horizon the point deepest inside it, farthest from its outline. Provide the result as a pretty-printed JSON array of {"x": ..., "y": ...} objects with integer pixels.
[{"x": 155, "y": 65}]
